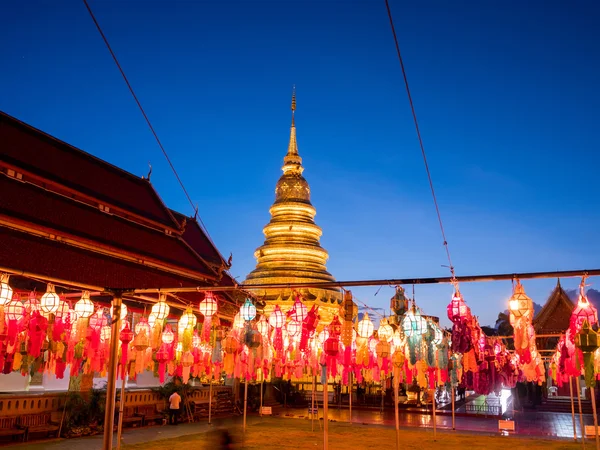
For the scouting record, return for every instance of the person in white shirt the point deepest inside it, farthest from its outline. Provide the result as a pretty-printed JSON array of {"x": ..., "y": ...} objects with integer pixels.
[{"x": 174, "y": 401}]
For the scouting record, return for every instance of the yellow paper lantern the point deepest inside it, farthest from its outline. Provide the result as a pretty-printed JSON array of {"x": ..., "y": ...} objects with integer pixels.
[
  {"x": 520, "y": 305},
  {"x": 160, "y": 309},
  {"x": 385, "y": 332},
  {"x": 84, "y": 306},
  {"x": 365, "y": 327},
  {"x": 50, "y": 301}
]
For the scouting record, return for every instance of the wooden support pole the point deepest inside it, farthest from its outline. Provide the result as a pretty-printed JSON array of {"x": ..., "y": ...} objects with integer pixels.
[
  {"x": 350, "y": 393},
  {"x": 593, "y": 395},
  {"x": 245, "y": 402},
  {"x": 396, "y": 412},
  {"x": 573, "y": 408},
  {"x": 453, "y": 409},
  {"x": 434, "y": 417},
  {"x": 109, "y": 412},
  {"x": 121, "y": 408},
  {"x": 578, "y": 389},
  {"x": 312, "y": 412},
  {"x": 325, "y": 408}
]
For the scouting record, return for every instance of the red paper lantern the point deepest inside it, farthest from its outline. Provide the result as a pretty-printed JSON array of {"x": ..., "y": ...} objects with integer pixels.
[
  {"x": 582, "y": 312},
  {"x": 332, "y": 346},
  {"x": 457, "y": 308}
]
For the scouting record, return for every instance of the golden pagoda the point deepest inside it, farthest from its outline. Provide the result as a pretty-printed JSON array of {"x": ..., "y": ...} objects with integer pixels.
[{"x": 291, "y": 252}]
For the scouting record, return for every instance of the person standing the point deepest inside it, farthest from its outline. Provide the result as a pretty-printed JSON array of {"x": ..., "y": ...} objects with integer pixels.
[{"x": 174, "y": 401}]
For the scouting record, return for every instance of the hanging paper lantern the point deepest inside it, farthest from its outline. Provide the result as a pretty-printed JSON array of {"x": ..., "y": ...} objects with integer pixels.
[
  {"x": 105, "y": 333},
  {"x": 582, "y": 312},
  {"x": 414, "y": 324},
  {"x": 62, "y": 311},
  {"x": 331, "y": 346},
  {"x": 385, "y": 332},
  {"x": 32, "y": 303},
  {"x": 277, "y": 318},
  {"x": 208, "y": 307},
  {"x": 6, "y": 291},
  {"x": 323, "y": 336},
  {"x": 397, "y": 339},
  {"x": 335, "y": 327},
  {"x": 263, "y": 327},
  {"x": 152, "y": 320},
  {"x": 293, "y": 328},
  {"x": 98, "y": 320},
  {"x": 50, "y": 300},
  {"x": 457, "y": 308},
  {"x": 167, "y": 335},
  {"x": 520, "y": 304},
  {"x": 196, "y": 341},
  {"x": 399, "y": 302},
  {"x": 438, "y": 335},
  {"x": 382, "y": 349},
  {"x": 187, "y": 320},
  {"x": 84, "y": 306},
  {"x": 142, "y": 327},
  {"x": 365, "y": 327},
  {"x": 160, "y": 309},
  {"x": 248, "y": 310},
  {"x": 14, "y": 309},
  {"x": 238, "y": 321},
  {"x": 299, "y": 310}
]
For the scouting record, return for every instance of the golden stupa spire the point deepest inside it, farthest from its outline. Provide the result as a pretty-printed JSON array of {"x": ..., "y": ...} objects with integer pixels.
[{"x": 291, "y": 251}]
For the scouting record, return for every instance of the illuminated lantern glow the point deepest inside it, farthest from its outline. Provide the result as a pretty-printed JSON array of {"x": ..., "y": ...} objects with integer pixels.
[
  {"x": 323, "y": 336},
  {"x": 50, "y": 301},
  {"x": 335, "y": 327},
  {"x": 331, "y": 346},
  {"x": 196, "y": 341},
  {"x": 142, "y": 326},
  {"x": 382, "y": 349},
  {"x": 84, "y": 306},
  {"x": 187, "y": 320},
  {"x": 365, "y": 327},
  {"x": 457, "y": 308},
  {"x": 438, "y": 335},
  {"x": 397, "y": 339},
  {"x": 98, "y": 320},
  {"x": 152, "y": 320},
  {"x": 248, "y": 310},
  {"x": 293, "y": 328},
  {"x": 238, "y": 321},
  {"x": 62, "y": 311},
  {"x": 385, "y": 332},
  {"x": 32, "y": 304},
  {"x": 263, "y": 327},
  {"x": 299, "y": 310},
  {"x": 520, "y": 305},
  {"x": 414, "y": 324},
  {"x": 277, "y": 318},
  {"x": 6, "y": 291},
  {"x": 582, "y": 312},
  {"x": 160, "y": 309},
  {"x": 14, "y": 309},
  {"x": 105, "y": 333},
  {"x": 126, "y": 335},
  {"x": 208, "y": 307},
  {"x": 167, "y": 335}
]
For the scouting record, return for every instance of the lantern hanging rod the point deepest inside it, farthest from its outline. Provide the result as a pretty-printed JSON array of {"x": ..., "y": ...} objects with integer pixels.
[
  {"x": 390, "y": 282},
  {"x": 536, "y": 336}
]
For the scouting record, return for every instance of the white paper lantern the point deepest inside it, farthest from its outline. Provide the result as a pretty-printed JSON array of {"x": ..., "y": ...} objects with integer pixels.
[
  {"x": 6, "y": 291},
  {"x": 50, "y": 301},
  {"x": 238, "y": 321},
  {"x": 293, "y": 328},
  {"x": 160, "y": 309},
  {"x": 277, "y": 318},
  {"x": 365, "y": 327},
  {"x": 142, "y": 327},
  {"x": 32, "y": 303},
  {"x": 385, "y": 332},
  {"x": 15, "y": 310},
  {"x": 62, "y": 312},
  {"x": 105, "y": 333},
  {"x": 208, "y": 307},
  {"x": 84, "y": 306},
  {"x": 299, "y": 310},
  {"x": 152, "y": 320}
]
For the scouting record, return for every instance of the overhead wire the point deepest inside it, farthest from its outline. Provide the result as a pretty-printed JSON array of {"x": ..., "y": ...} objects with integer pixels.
[
  {"x": 141, "y": 108},
  {"x": 414, "y": 114}
]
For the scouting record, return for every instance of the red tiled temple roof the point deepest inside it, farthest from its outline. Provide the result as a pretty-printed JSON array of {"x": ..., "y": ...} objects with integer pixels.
[
  {"x": 35, "y": 151},
  {"x": 31, "y": 204}
]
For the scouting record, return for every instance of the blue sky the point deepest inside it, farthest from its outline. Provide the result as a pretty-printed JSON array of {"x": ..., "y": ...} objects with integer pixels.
[{"x": 506, "y": 93}]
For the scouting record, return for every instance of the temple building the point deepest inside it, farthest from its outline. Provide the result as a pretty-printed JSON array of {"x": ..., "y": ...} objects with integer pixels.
[{"x": 291, "y": 252}]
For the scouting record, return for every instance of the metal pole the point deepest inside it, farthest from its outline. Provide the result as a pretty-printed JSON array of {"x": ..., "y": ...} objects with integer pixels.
[
  {"x": 210, "y": 397},
  {"x": 109, "y": 412},
  {"x": 325, "y": 409},
  {"x": 572, "y": 408},
  {"x": 396, "y": 413},
  {"x": 261, "y": 395},
  {"x": 245, "y": 402},
  {"x": 121, "y": 407},
  {"x": 580, "y": 412},
  {"x": 350, "y": 395},
  {"x": 593, "y": 395},
  {"x": 434, "y": 418},
  {"x": 453, "y": 400}
]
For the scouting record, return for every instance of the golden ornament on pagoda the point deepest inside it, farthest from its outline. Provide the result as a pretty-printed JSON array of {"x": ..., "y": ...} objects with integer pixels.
[{"x": 291, "y": 252}]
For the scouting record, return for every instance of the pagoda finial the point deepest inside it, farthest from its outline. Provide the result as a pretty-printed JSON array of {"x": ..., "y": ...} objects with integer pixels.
[{"x": 292, "y": 154}]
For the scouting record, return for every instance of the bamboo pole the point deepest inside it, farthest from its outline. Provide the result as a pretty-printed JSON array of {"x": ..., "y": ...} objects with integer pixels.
[
  {"x": 593, "y": 395},
  {"x": 325, "y": 409},
  {"x": 434, "y": 418},
  {"x": 245, "y": 402},
  {"x": 261, "y": 395},
  {"x": 396, "y": 413},
  {"x": 210, "y": 398},
  {"x": 453, "y": 415},
  {"x": 121, "y": 408},
  {"x": 573, "y": 408},
  {"x": 312, "y": 411},
  {"x": 350, "y": 394},
  {"x": 109, "y": 413},
  {"x": 580, "y": 412}
]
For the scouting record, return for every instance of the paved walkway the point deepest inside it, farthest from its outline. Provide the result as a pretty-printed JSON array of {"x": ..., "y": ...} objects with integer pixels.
[{"x": 532, "y": 424}]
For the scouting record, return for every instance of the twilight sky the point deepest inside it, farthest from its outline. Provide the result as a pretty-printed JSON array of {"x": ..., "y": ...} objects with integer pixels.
[{"x": 506, "y": 93}]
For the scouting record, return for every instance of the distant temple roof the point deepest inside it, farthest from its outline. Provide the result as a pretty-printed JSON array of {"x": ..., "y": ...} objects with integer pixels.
[
  {"x": 555, "y": 315},
  {"x": 67, "y": 215}
]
